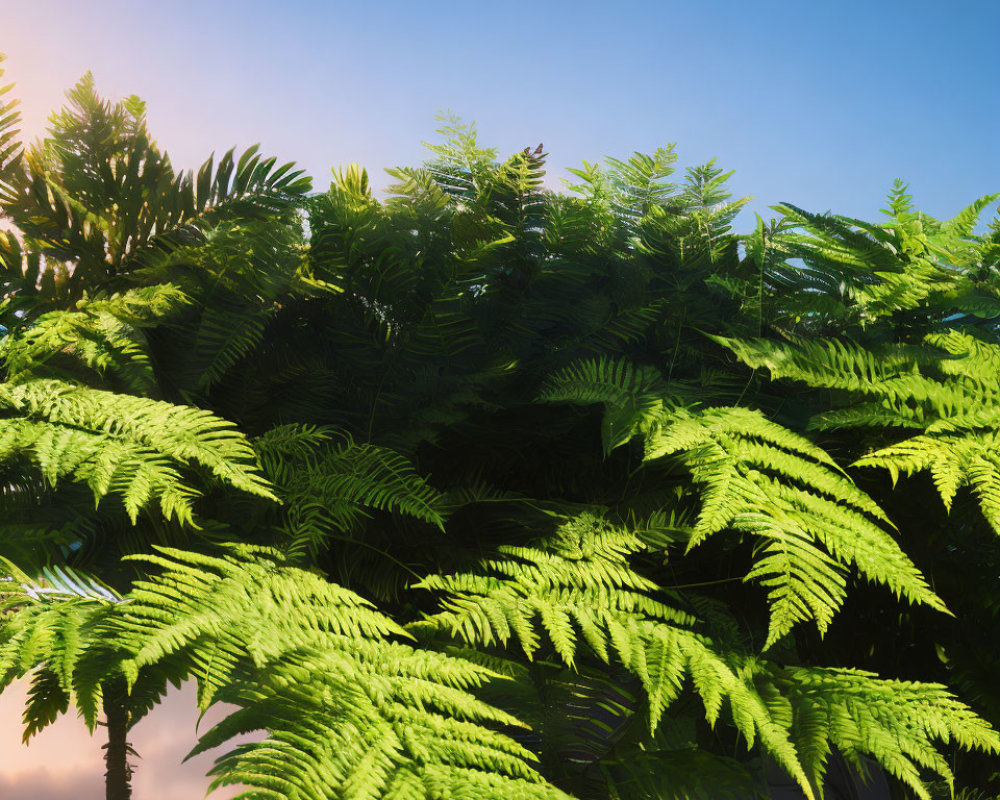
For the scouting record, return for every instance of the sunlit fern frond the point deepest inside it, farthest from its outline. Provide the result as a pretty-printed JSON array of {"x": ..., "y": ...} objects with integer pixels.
[
  {"x": 348, "y": 708},
  {"x": 577, "y": 595},
  {"x": 947, "y": 391},
  {"x": 810, "y": 520},
  {"x": 103, "y": 340},
  {"x": 49, "y": 625},
  {"x": 10, "y": 142},
  {"x": 98, "y": 194},
  {"x": 894, "y": 722},
  {"x": 130, "y": 446}
]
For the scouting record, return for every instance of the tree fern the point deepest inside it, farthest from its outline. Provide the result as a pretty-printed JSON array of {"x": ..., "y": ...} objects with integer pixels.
[
  {"x": 49, "y": 626},
  {"x": 580, "y": 581},
  {"x": 506, "y": 394},
  {"x": 350, "y": 713},
  {"x": 98, "y": 194}
]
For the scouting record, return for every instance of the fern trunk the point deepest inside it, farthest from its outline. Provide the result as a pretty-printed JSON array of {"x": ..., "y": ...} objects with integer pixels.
[{"x": 118, "y": 776}]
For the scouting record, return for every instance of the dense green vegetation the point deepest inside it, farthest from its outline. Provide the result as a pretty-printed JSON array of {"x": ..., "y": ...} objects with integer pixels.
[{"x": 488, "y": 491}]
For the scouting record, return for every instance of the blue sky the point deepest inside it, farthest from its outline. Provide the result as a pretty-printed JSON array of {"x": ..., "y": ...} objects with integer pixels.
[{"x": 819, "y": 104}]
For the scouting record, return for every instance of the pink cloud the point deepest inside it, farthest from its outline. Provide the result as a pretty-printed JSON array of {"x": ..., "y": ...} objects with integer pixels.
[
  {"x": 42, "y": 783},
  {"x": 65, "y": 763}
]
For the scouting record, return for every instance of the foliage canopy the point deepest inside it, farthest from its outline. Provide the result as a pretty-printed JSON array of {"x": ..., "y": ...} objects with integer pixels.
[{"x": 484, "y": 490}]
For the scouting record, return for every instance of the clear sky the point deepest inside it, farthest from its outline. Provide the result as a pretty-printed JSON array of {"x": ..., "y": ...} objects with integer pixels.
[{"x": 817, "y": 103}]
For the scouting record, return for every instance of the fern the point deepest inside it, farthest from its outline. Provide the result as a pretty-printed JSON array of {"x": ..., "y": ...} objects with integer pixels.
[
  {"x": 349, "y": 712},
  {"x": 125, "y": 445},
  {"x": 894, "y": 722},
  {"x": 99, "y": 195},
  {"x": 506, "y": 394},
  {"x": 811, "y": 520},
  {"x": 855, "y": 274},
  {"x": 10, "y": 145},
  {"x": 50, "y": 625},
  {"x": 629, "y": 393},
  {"x": 581, "y": 581},
  {"x": 639, "y": 183},
  {"x": 950, "y": 395},
  {"x": 105, "y": 335},
  {"x": 329, "y": 487}
]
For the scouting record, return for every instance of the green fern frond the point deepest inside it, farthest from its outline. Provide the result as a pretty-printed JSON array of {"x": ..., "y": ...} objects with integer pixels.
[
  {"x": 104, "y": 335},
  {"x": 10, "y": 144},
  {"x": 829, "y": 363},
  {"x": 579, "y": 590},
  {"x": 812, "y": 521},
  {"x": 46, "y": 701},
  {"x": 348, "y": 712},
  {"x": 579, "y": 582},
  {"x": 223, "y": 337},
  {"x": 50, "y": 624},
  {"x": 950, "y": 393},
  {"x": 615, "y": 381},
  {"x": 99, "y": 198},
  {"x": 460, "y": 165},
  {"x": 630, "y": 393},
  {"x": 895, "y": 722},
  {"x": 639, "y": 182},
  {"x": 329, "y": 486},
  {"x": 127, "y": 445}
]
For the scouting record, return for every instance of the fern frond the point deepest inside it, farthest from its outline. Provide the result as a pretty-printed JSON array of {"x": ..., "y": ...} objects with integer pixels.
[
  {"x": 812, "y": 521},
  {"x": 127, "y": 445},
  {"x": 579, "y": 590},
  {"x": 895, "y": 722},
  {"x": 329, "y": 487},
  {"x": 99, "y": 198},
  {"x": 348, "y": 712},
  {"x": 630, "y": 394},
  {"x": 957, "y": 405},
  {"x": 639, "y": 183},
  {"x": 827, "y": 363},
  {"x": 223, "y": 337},
  {"x": 104, "y": 335},
  {"x": 50, "y": 624},
  {"x": 10, "y": 144},
  {"x": 762, "y": 479}
]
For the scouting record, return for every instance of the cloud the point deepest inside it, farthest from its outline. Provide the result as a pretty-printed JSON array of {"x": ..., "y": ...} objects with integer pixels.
[
  {"x": 65, "y": 763},
  {"x": 43, "y": 783}
]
